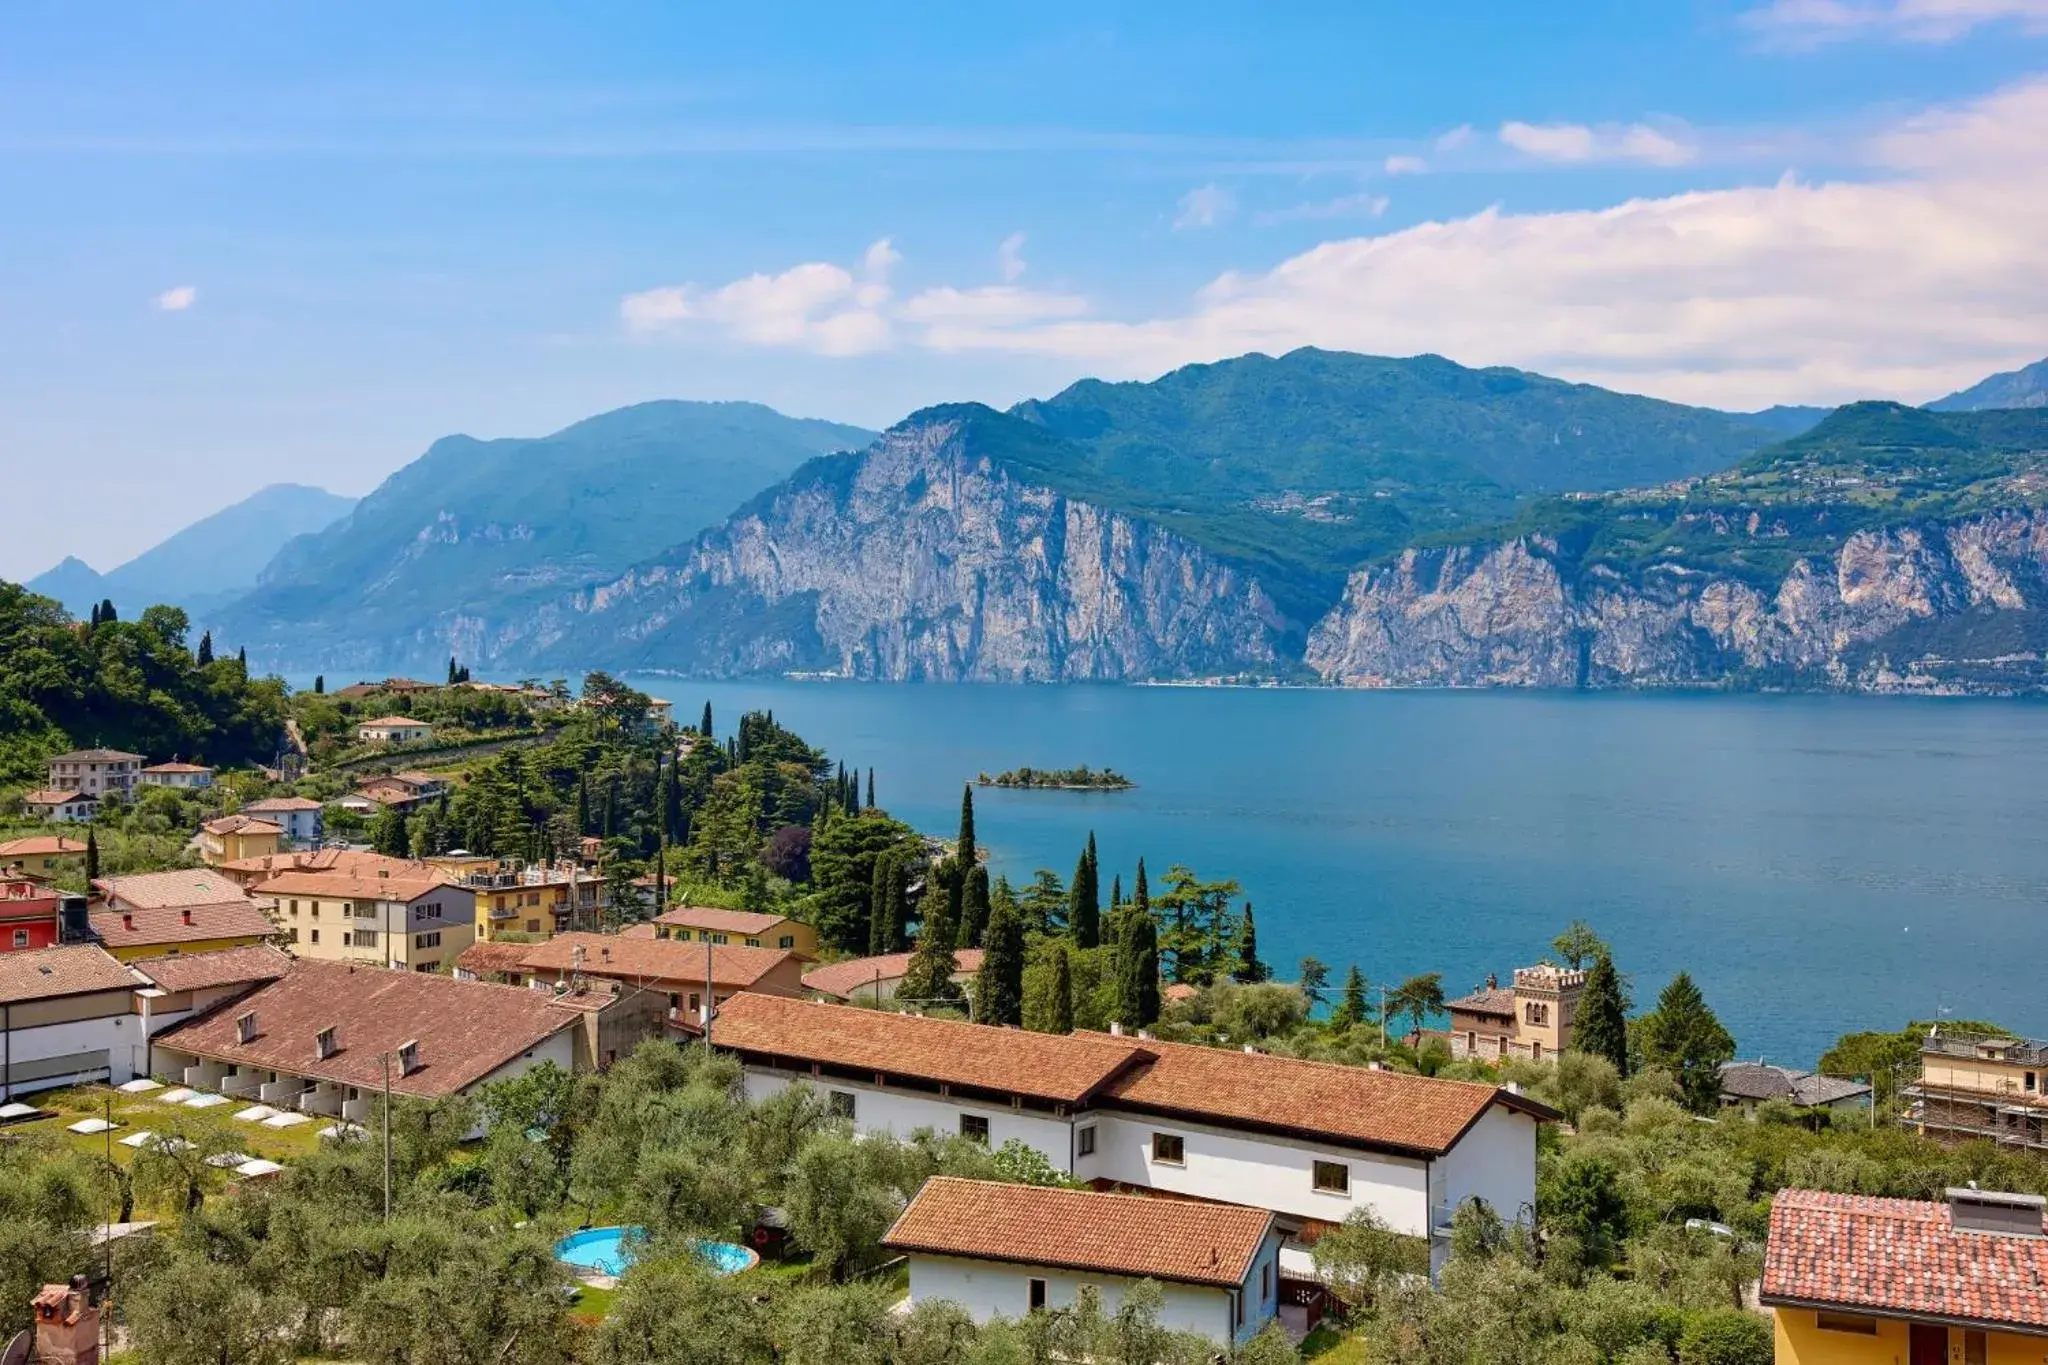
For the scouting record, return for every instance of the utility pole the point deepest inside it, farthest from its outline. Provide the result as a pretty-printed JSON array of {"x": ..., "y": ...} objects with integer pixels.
[
  {"x": 708, "y": 997},
  {"x": 1383, "y": 1017},
  {"x": 387, "y": 1137}
]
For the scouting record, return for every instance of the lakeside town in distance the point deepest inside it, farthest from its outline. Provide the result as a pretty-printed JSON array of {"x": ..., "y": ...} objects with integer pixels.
[{"x": 632, "y": 1010}]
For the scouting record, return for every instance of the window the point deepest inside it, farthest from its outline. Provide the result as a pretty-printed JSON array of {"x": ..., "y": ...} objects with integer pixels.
[
  {"x": 295, "y": 907},
  {"x": 533, "y": 926},
  {"x": 1084, "y": 1141},
  {"x": 316, "y": 936},
  {"x": 1332, "y": 1177},
  {"x": 841, "y": 1100},
  {"x": 21, "y": 938},
  {"x": 786, "y": 941},
  {"x": 975, "y": 1127},
  {"x": 1845, "y": 1322},
  {"x": 2030, "y": 1082},
  {"x": 1037, "y": 1292},
  {"x": 295, "y": 933},
  {"x": 718, "y": 939},
  {"x": 1975, "y": 1348},
  {"x": 1168, "y": 1149},
  {"x": 432, "y": 940},
  {"x": 1265, "y": 1281}
]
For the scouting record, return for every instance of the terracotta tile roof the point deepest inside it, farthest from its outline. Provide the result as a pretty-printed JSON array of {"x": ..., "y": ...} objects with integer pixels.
[
  {"x": 46, "y": 973},
  {"x": 158, "y": 890},
  {"x": 203, "y": 971},
  {"x": 721, "y": 921},
  {"x": 177, "y": 768},
  {"x": 53, "y": 796},
  {"x": 1350, "y": 1103},
  {"x": 363, "y": 884},
  {"x": 653, "y": 959},
  {"x": 142, "y": 928},
  {"x": 40, "y": 846},
  {"x": 1066, "y": 1069},
  {"x": 465, "y": 1029},
  {"x": 280, "y": 803},
  {"x": 394, "y": 722},
  {"x": 322, "y": 860},
  {"x": 1189, "y": 1241},
  {"x": 1901, "y": 1256},
  {"x": 241, "y": 824},
  {"x": 486, "y": 959},
  {"x": 1493, "y": 1000},
  {"x": 644, "y": 929},
  {"x": 842, "y": 979}
]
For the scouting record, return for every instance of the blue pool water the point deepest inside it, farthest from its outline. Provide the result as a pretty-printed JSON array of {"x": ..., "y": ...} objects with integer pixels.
[{"x": 608, "y": 1251}]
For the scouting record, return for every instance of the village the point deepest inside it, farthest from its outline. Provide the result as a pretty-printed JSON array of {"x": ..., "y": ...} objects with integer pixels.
[{"x": 314, "y": 970}]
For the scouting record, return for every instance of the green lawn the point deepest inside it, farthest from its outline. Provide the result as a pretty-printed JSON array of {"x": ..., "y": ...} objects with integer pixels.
[
  {"x": 136, "y": 1113},
  {"x": 1328, "y": 1346}
]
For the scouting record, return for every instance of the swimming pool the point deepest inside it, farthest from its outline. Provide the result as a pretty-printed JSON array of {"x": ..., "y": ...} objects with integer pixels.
[{"x": 608, "y": 1251}]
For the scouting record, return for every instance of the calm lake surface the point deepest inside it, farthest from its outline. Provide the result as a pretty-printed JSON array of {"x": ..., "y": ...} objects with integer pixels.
[{"x": 1820, "y": 864}]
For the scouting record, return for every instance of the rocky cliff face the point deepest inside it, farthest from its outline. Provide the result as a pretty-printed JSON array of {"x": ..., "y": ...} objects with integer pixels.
[
  {"x": 919, "y": 559},
  {"x": 1947, "y": 607}
]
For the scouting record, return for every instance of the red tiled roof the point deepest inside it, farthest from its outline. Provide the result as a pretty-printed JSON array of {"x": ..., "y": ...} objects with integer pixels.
[
  {"x": 226, "y": 967},
  {"x": 1493, "y": 1000},
  {"x": 95, "y": 756},
  {"x": 323, "y": 860},
  {"x": 241, "y": 824},
  {"x": 465, "y": 1029},
  {"x": 842, "y": 979},
  {"x": 366, "y": 884},
  {"x": 655, "y": 959},
  {"x": 486, "y": 959},
  {"x": 161, "y": 890},
  {"x": 53, "y": 796},
  {"x": 40, "y": 846},
  {"x": 721, "y": 921},
  {"x": 391, "y": 722},
  {"x": 1901, "y": 1256},
  {"x": 271, "y": 803},
  {"x": 1353, "y": 1103},
  {"x": 1186, "y": 1240},
  {"x": 1049, "y": 1066},
  {"x": 47, "y": 973},
  {"x": 143, "y": 928}
]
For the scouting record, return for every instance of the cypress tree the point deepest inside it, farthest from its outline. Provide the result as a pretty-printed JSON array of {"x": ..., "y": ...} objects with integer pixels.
[
  {"x": 451, "y": 670},
  {"x": 1248, "y": 969},
  {"x": 975, "y": 917},
  {"x": 611, "y": 807},
  {"x": 583, "y": 804},
  {"x": 205, "y": 654},
  {"x": 1351, "y": 1007},
  {"x": 107, "y": 613},
  {"x": 929, "y": 978},
  {"x": 319, "y": 684},
  {"x": 704, "y": 727},
  {"x": 1061, "y": 1017},
  {"x": 1600, "y": 1026},
  {"x": 999, "y": 986},
  {"x": 1084, "y": 906},
  {"x": 1137, "y": 984},
  {"x": 871, "y": 790},
  {"x": 1116, "y": 892},
  {"x": 965, "y": 850},
  {"x": 92, "y": 859},
  {"x": 95, "y": 621},
  {"x": 242, "y": 658},
  {"x": 880, "y": 938}
]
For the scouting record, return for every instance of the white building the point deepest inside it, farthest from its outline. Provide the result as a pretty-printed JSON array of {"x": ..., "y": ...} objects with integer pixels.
[
  {"x": 1310, "y": 1141},
  {"x": 394, "y": 730},
  {"x": 1002, "y": 1250},
  {"x": 189, "y": 776},
  {"x": 66, "y": 1016},
  {"x": 61, "y": 806},
  {"x": 98, "y": 773},
  {"x": 297, "y": 816}
]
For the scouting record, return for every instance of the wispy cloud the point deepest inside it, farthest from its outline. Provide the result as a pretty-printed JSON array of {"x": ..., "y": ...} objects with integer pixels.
[
  {"x": 1785, "y": 291},
  {"x": 1010, "y": 257},
  {"x": 1813, "y": 23},
  {"x": 1361, "y": 205},
  {"x": 1455, "y": 138},
  {"x": 1575, "y": 143},
  {"x": 1404, "y": 165},
  {"x": 1204, "y": 207},
  {"x": 177, "y": 300}
]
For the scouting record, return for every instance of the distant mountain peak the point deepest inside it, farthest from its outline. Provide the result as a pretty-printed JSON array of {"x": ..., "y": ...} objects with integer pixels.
[{"x": 2026, "y": 387}]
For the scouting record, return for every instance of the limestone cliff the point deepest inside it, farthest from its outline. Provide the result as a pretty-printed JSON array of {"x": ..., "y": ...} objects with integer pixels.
[
  {"x": 1953, "y": 606},
  {"x": 923, "y": 557}
]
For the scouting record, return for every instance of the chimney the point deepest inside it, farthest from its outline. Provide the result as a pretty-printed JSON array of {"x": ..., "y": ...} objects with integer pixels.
[
  {"x": 1996, "y": 1212},
  {"x": 67, "y": 1325},
  {"x": 1492, "y": 982},
  {"x": 1116, "y": 1030},
  {"x": 127, "y": 920},
  {"x": 409, "y": 1057},
  {"x": 188, "y": 915}
]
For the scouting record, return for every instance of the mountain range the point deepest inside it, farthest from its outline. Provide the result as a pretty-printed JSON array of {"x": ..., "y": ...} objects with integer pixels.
[{"x": 1317, "y": 515}]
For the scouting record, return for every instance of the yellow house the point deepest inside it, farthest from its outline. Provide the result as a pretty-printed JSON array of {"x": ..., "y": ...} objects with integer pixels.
[
  {"x": 235, "y": 837},
  {"x": 43, "y": 856},
  {"x": 740, "y": 928},
  {"x": 1859, "y": 1280},
  {"x": 412, "y": 917},
  {"x": 175, "y": 930},
  {"x": 538, "y": 900}
]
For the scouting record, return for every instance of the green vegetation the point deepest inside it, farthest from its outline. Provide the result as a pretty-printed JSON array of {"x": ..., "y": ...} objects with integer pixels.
[
  {"x": 132, "y": 685},
  {"x": 1083, "y": 778}
]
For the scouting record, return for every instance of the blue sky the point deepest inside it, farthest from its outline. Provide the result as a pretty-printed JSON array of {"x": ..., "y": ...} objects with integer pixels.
[{"x": 253, "y": 243}]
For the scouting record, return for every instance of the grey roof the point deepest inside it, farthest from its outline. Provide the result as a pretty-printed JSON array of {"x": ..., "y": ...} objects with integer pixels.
[
  {"x": 1760, "y": 1081},
  {"x": 1494, "y": 1000}
]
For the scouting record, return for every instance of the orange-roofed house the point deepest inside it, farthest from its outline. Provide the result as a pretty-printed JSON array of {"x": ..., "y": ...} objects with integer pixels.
[
  {"x": 747, "y": 928},
  {"x": 66, "y": 1015},
  {"x": 1003, "y": 1250},
  {"x": 42, "y": 856},
  {"x": 61, "y": 805},
  {"x": 187, "y": 776},
  {"x": 678, "y": 970},
  {"x": 1853, "y": 1279},
  {"x": 403, "y": 915},
  {"x": 874, "y": 980},
  {"x": 298, "y": 816},
  {"x": 187, "y": 910},
  {"x": 1312, "y": 1142},
  {"x": 235, "y": 838}
]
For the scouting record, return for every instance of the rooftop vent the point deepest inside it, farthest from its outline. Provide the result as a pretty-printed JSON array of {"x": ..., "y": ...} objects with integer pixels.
[
  {"x": 127, "y": 921},
  {"x": 245, "y": 1027},
  {"x": 324, "y": 1044},
  {"x": 1996, "y": 1211},
  {"x": 188, "y": 916},
  {"x": 1116, "y": 1030},
  {"x": 408, "y": 1057}
]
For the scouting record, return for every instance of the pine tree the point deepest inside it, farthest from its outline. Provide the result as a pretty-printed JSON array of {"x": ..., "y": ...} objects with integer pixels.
[
  {"x": 92, "y": 859},
  {"x": 1084, "y": 902},
  {"x": 964, "y": 850},
  {"x": 1248, "y": 968},
  {"x": 999, "y": 986},
  {"x": 1351, "y": 1006},
  {"x": 1683, "y": 1036},
  {"x": 205, "y": 653},
  {"x": 975, "y": 915},
  {"x": 1600, "y": 1025},
  {"x": 1060, "y": 1018},
  {"x": 704, "y": 726},
  {"x": 929, "y": 978}
]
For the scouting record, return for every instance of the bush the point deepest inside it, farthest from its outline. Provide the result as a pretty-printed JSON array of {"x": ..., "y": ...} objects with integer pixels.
[{"x": 1725, "y": 1336}]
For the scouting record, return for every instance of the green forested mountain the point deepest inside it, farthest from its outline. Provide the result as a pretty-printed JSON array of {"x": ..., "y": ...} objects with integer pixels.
[
  {"x": 205, "y": 564},
  {"x": 126, "y": 685},
  {"x": 2021, "y": 388},
  {"x": 475, "y": 529}
]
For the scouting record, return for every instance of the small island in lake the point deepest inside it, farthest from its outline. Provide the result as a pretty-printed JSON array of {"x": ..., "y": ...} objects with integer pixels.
[{"x": 1081, "y": 779}]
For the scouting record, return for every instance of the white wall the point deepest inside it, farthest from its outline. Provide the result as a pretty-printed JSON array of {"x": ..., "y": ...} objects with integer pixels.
[
  {"x": 989, "y": 1289},
  {"x": 1494, "y": 1161},
  {"x": 1268, "y": 1172},
  {"x": 900, "y": 1113},
  {"x": 103, "y": 1042}
]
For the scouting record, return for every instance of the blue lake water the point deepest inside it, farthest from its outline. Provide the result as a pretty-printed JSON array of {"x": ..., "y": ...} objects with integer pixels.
[{"x": 1819, "y": 864}]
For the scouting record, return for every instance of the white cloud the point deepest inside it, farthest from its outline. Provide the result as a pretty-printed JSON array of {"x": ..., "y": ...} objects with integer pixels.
[
  {"x": 1204, "y": 207},
  {"x": 1343, "y": 206},
  {"x": 1010, "y": 257},
  {"x": 1455, "y": 138},
  {"x": 1405, "y": 165},
  {"x": 1576, "y": 143},
  {"x": 179, "y": 299},
  {"x": 1811, "y": 23}
]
